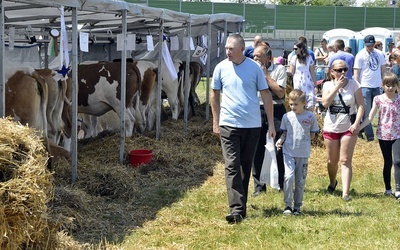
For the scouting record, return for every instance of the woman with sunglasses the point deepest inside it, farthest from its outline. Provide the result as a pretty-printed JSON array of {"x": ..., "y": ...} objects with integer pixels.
[
  {"x": 342, "y": 97},
  {"x": 302, "y": 69}
]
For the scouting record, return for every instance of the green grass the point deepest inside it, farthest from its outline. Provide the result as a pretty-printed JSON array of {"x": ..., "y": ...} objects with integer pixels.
[
  {"x": 197, "y": 220},
  {"x": 369, "y": 221}
]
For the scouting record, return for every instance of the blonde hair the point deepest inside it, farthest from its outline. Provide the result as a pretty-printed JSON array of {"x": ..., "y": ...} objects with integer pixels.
[{"x": 297, "y": 94}]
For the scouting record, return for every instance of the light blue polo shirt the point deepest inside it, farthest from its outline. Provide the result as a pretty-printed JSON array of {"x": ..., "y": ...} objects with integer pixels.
[{"x": 239, "y": 85}]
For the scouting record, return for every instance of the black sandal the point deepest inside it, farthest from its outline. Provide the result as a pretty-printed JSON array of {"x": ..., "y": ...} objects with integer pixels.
[{"x": 331, "y": 189}]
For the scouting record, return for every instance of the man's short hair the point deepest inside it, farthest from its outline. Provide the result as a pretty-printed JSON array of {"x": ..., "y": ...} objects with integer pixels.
[
  {"x": 302, "y": 39},
  {"x": 339, "y": 43}
]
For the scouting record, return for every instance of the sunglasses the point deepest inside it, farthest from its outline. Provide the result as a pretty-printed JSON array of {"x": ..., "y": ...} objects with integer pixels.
[
  {"x": 341, "y": 70},
  {"x": 295, "y": 48}
]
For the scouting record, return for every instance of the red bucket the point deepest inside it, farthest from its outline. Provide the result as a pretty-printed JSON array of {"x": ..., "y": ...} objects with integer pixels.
[{"x": 140, "y": 156}]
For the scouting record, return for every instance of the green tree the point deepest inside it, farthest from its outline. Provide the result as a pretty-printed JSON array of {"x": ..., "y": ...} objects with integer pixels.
[{"x": 374, "y": 3}]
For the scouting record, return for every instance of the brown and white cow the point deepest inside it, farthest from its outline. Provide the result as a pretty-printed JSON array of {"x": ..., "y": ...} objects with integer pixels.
[
  {"x": 57, "y": 98},
  {"x": 99, "y": 91},
  {"x": 148, "y": 96},
  {"x": 196, "y": 71},
  {"x": 26, "y": 97},
  {"x": 26, "y": 100},
  {"x": 173, "y": 88}
]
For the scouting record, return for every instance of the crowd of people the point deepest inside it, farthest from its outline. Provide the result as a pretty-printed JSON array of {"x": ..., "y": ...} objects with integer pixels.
[{"x": 247, "y": 101}]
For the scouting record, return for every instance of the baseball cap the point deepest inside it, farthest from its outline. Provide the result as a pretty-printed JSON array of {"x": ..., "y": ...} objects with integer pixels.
[{"x": 369, "y": 40}]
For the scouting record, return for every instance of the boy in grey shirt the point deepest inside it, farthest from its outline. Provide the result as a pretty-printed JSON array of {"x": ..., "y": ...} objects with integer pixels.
[{"x": 299, "y": 127}]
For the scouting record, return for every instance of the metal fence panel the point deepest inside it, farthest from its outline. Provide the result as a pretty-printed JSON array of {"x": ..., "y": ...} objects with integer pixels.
[
  {"x": 200, "y": 7},
  {"x": 379, "y": 17},
  {"x": 290, "y": 20},
  {"x": 320, "y": 18},
  {"x": 290, "y": 17}
]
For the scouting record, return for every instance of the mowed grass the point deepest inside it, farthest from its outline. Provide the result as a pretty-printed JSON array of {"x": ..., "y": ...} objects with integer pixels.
[{"x": 197, "y": 221}]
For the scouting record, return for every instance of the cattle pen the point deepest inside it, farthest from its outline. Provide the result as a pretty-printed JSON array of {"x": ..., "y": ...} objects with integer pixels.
[{"x": 109, "y": 29}]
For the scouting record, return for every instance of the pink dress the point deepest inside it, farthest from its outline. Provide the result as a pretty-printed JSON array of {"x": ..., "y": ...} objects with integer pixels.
[{"x": 389, "y": 118}]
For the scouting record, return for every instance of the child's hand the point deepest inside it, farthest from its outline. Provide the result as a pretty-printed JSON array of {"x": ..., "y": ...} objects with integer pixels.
[{"x": 278, "y": 144}]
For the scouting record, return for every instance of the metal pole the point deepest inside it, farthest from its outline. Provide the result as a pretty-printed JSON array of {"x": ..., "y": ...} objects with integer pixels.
[
  {"x": 275, "y": 21},
  {"x": 159, "y": 77},
  {"x": 2, "y": 51},
  {"x": 394, "y": 19},
  {"x": 123, "y": 92},
  {"x": 74, "y": 108},
  {"x": 208, "y": 71},
  {"x": 187, "y": 83},
  {"x": 365, "y": 16},
  {"x": 222, "y": 42},
  {"x": 305, "y": 20},
  {"x": 334, "y": 18}
]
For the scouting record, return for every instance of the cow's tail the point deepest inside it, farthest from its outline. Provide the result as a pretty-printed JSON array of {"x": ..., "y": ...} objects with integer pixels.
[
  {"x": 138, "y": 81},
  {"x": 181, "y": 84},
  {"x": 44, "y": 93}
]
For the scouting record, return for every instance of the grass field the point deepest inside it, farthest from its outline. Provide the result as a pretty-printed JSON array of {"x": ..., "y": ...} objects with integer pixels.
[{"x": 197, "y": 219}]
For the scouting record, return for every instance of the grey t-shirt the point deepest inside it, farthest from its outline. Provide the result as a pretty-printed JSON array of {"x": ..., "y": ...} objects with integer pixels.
[{"x": 298, "y": 133}]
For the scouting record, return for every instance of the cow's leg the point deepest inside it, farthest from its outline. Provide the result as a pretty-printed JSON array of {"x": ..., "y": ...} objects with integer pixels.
[
  {"x": 129, "y": 122},
  {"x": 172, "y": 94},
  {"x": 89, "y": 125},
  {"x": 139, "y": 111}
]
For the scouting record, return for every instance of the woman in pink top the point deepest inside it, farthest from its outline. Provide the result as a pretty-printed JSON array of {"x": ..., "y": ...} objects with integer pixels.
[{"x": 388, "y": 131}]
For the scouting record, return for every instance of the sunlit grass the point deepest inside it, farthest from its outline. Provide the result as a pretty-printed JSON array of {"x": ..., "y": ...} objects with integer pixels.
[{"x": 197, "y": 221}]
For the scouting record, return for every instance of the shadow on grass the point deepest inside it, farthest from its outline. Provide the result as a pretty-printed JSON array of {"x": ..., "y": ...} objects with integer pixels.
[{"x": 275, "y": 211}]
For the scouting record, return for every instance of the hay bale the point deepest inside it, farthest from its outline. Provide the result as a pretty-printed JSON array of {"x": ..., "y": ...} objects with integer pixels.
[{"x": 25, "y": 188}]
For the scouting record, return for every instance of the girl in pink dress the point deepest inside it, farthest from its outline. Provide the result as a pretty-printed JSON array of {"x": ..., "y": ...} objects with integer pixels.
[{"x": 388, "y": 130}]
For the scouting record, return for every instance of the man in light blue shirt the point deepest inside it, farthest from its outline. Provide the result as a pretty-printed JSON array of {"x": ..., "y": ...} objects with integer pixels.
[{"x": 237, "y": 119}]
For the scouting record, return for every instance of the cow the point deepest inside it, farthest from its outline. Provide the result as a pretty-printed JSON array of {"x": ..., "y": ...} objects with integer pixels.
[
  {"x": 196, "y": 71},
  {"x": 173, "y": 88},
  {"x": 148, "y": 96},
  {"x": 26, "y": 97},
  {"x": 58, "y": 97},
  {"x": 99, "y": 91},
  {"x": 26, "y": 100},
  {"x": 144, "y": 105}
]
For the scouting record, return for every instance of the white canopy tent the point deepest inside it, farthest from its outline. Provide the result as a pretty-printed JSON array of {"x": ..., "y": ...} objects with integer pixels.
[{"x": 103, "y": 19}]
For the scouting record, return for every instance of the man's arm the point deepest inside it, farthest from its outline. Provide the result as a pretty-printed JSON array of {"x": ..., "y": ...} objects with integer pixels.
[
  {"x": 215, "y": 108},
  {"x": 356, "y": 75},
  {"x": 269, "y": 111},
  {"x": 274, "y": 85}
]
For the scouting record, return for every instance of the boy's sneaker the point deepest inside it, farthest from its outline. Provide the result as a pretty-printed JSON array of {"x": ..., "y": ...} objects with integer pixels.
[
  {"x": 287, "y": 211},
  {"x": 388, "y": 192},
  {"x": 296, "y": 212}
]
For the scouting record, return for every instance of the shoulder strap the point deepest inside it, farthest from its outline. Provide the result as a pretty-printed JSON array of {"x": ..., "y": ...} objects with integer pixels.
[{"x": 346, "y": 108}]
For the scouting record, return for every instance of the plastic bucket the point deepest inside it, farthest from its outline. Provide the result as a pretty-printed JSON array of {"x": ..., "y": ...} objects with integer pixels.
[{"x": 140, "y": 156}]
